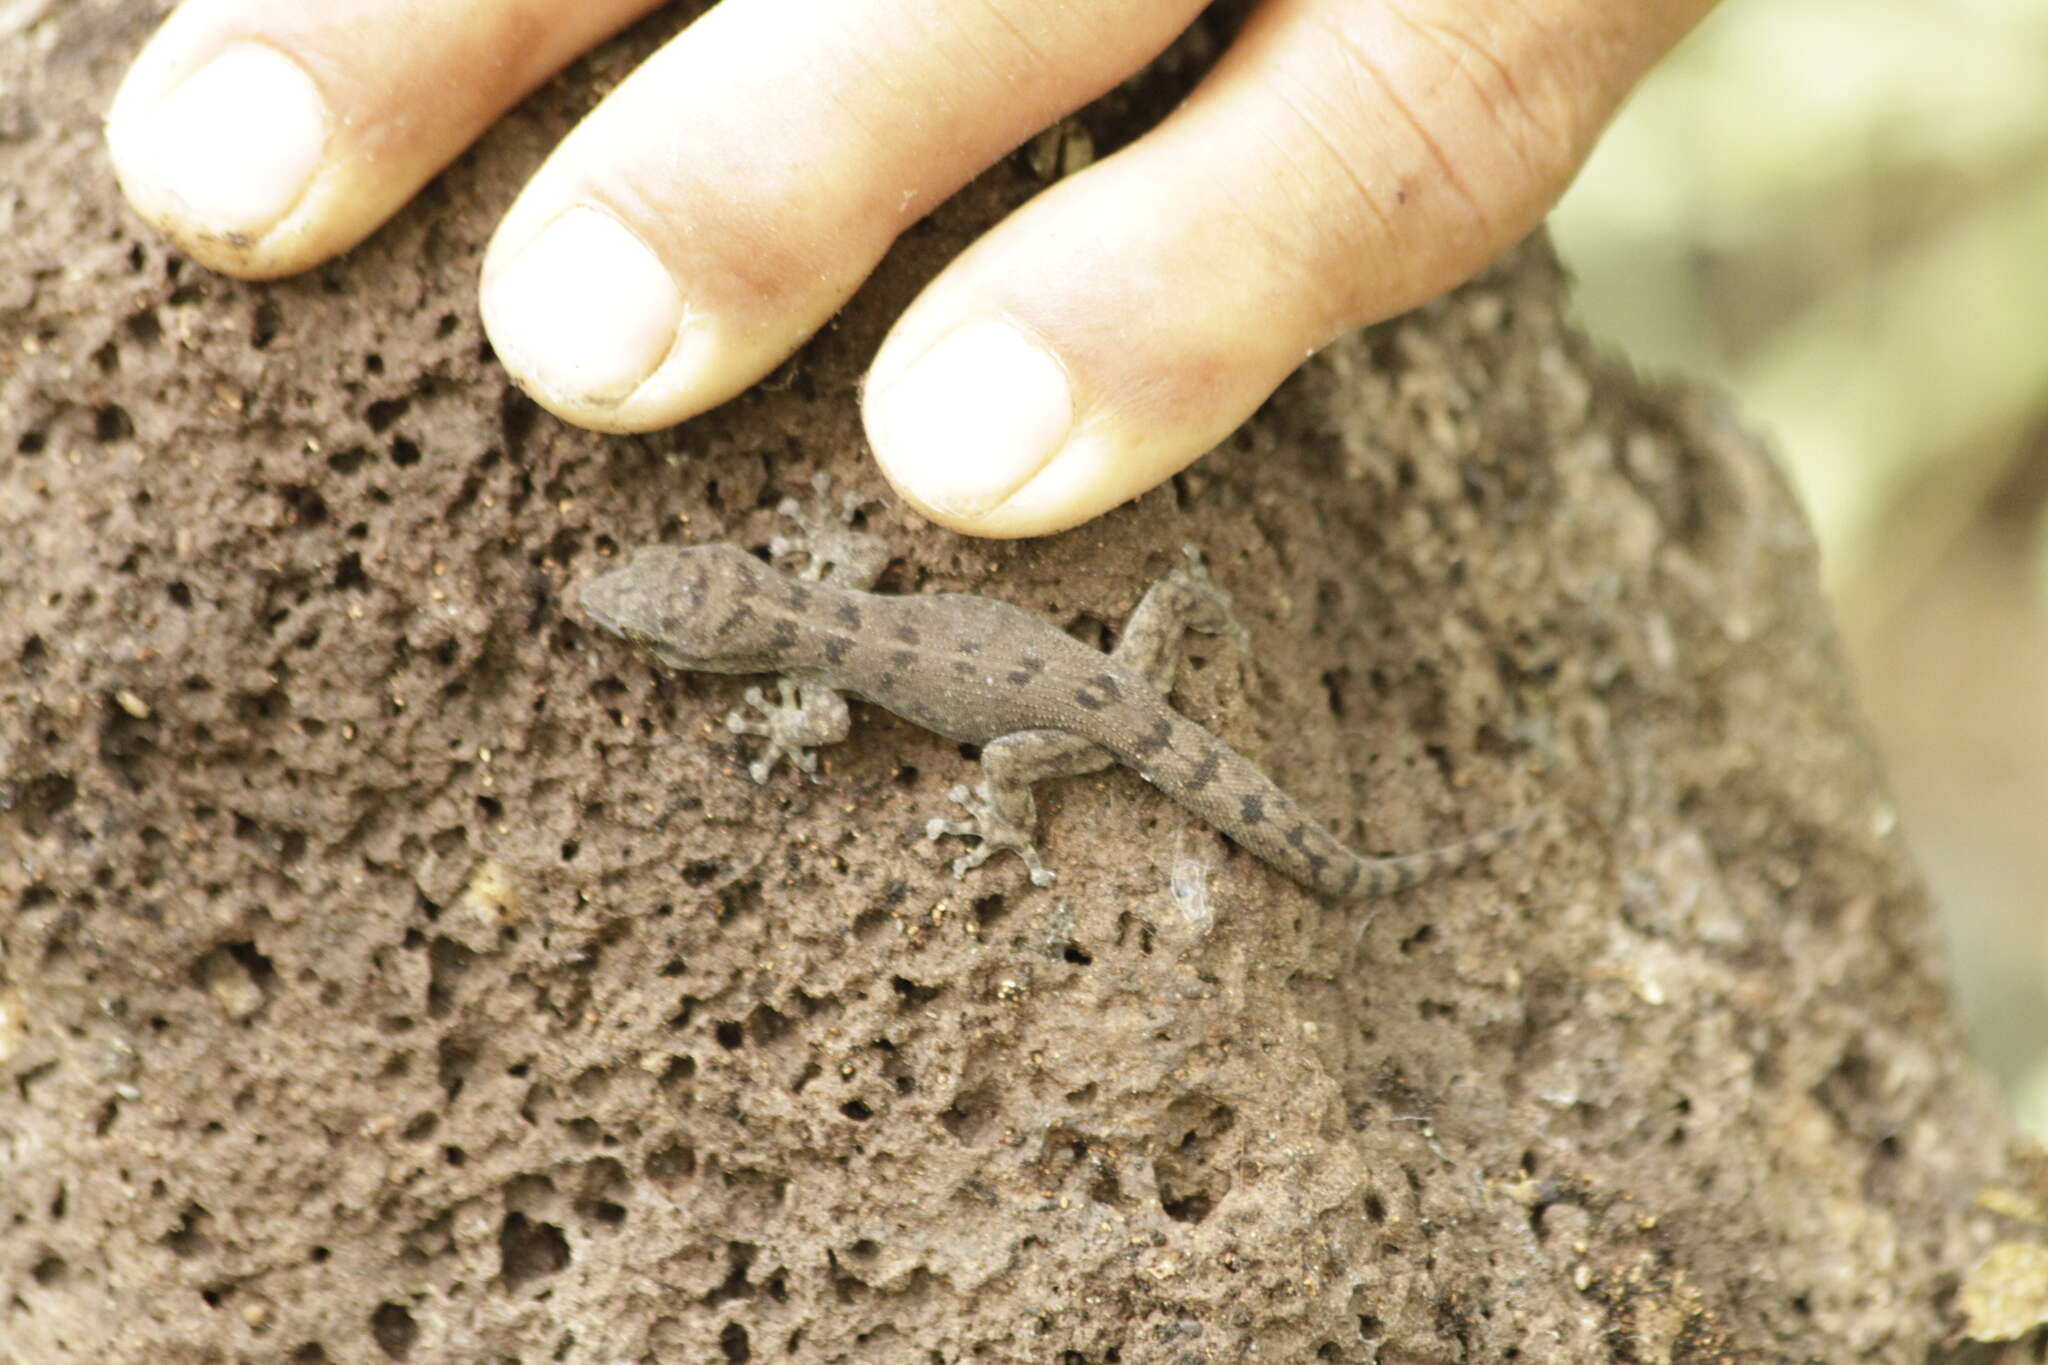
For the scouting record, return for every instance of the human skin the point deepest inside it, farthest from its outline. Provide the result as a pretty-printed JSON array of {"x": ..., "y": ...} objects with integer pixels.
[{"x": 1344, "y": 161}]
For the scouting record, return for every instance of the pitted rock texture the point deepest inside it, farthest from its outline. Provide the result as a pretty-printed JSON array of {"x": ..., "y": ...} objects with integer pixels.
[{"x": 395, "y": 968}]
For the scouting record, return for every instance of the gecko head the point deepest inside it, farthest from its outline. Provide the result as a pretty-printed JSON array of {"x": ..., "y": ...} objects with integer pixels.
[{"x": 693, "y": 605}]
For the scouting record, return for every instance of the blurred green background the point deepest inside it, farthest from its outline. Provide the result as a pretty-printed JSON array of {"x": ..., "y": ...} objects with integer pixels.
[{"x": 1838, "y": 209}]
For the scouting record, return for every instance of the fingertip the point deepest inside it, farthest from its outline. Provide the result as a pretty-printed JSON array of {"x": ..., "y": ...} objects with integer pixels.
[
  {"x": 217, "y": 155},
  {"x": 1073, "y": 359},
  {"x": 582, "y": 315},
  {"x": 266, "y": 136},
  {"x": 606, "y": 329},
  {"x": 961, "y": 427}
]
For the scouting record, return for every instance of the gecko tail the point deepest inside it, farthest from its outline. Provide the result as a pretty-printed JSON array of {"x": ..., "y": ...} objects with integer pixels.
[{"x": 1384, "y": 876}]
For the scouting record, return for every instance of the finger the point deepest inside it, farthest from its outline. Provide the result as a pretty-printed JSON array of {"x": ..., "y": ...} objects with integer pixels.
[
  {"x": 264, "y": 136},
  {"x": 726, "y": 199},
  {"x": 1345, "y": 161}
]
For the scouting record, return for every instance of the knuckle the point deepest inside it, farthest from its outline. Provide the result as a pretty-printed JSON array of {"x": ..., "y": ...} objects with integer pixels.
[{"x": 1426, "y": 126}]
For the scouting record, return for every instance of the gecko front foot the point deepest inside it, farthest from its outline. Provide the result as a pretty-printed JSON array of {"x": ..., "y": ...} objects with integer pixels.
[
  {"x": 995, "y": 830},
  {"x": 804, "y": 717},
  {"x": 838, "y": 553}
]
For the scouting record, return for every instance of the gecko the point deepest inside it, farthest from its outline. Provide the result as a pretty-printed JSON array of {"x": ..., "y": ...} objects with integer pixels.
[{"x": 1038, "y": 702}]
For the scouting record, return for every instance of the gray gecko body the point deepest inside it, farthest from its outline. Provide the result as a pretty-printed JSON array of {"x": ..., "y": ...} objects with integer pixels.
[{"x": 1039, "y": 703}]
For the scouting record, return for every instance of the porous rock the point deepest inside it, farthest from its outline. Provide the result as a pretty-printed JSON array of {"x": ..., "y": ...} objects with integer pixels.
[{"x": 395, "y": 968}]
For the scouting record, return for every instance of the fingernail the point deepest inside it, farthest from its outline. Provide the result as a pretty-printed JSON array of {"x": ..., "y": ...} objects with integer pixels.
[
  {"x": 972, "y": 419},
  {"x": 586, "y": 311},
  {"x": 236, "y": 143}
]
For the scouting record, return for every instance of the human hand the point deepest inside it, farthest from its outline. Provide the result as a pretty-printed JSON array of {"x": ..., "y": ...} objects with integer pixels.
[{"x": 1344, "y": 161}]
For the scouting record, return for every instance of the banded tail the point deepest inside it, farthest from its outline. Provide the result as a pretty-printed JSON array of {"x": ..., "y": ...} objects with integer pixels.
[
  {"x": 1210, "y": 778},
  {"x": 1385, "y": 876}
]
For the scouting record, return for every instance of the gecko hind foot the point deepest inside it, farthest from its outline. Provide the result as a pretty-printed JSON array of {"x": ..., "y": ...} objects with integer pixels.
[
  {"x": 1209, "y": 608},
  {"x": 996, "y": 832}
]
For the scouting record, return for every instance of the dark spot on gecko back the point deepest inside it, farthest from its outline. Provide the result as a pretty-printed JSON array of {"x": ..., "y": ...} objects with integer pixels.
[
  {"x": 907, "y": 634},
  {"x": 741, "y": 614},
  {"x": 1154, "y": 739},
  {"x": 1029, "y": 667},
  {"x": 836, "y": 647},
  {"x": 1254, "y": 811},
  {"x": 1205, "y": 771},
  {"x": 1098, "y": 692},
  {"x": 849, "y": 615},
  {"x": 785, "y": 634}
]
